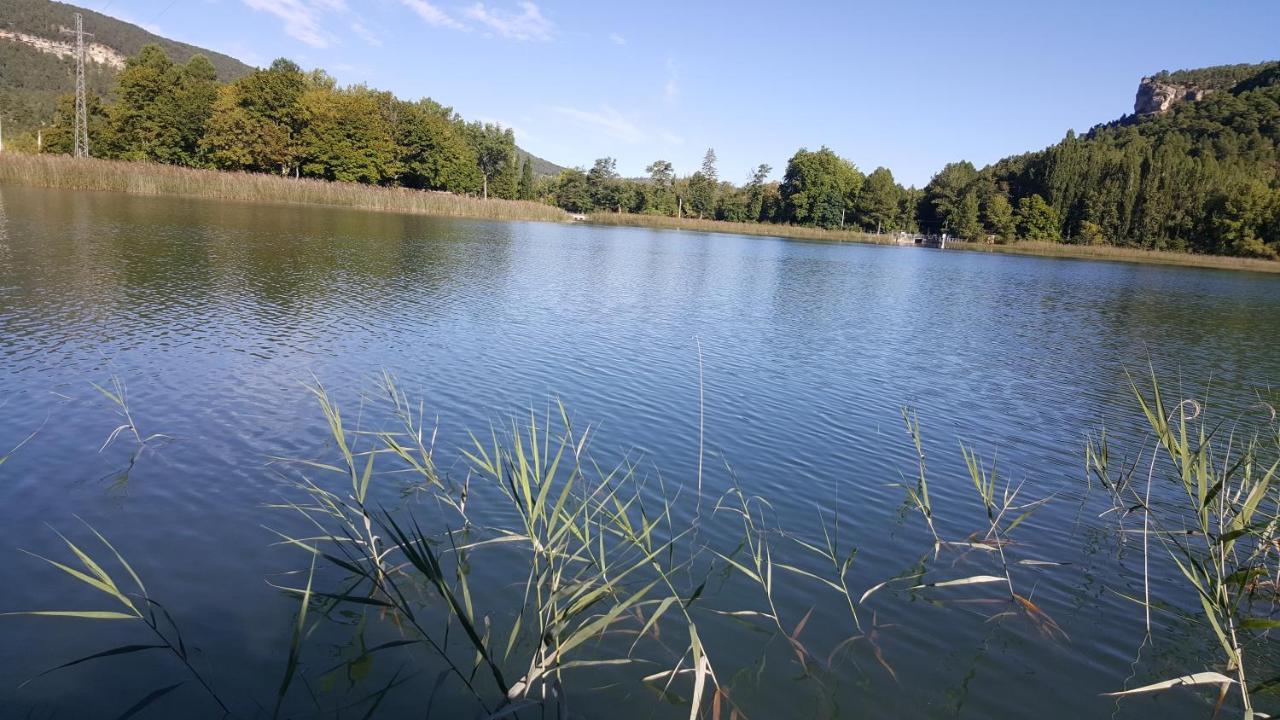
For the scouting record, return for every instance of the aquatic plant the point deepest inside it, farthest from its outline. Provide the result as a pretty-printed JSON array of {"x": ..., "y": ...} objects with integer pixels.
[{"x": 1218, "y": 526}]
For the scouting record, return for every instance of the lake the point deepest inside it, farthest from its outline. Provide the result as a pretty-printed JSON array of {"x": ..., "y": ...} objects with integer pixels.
[{"x": 797, "y": 358}]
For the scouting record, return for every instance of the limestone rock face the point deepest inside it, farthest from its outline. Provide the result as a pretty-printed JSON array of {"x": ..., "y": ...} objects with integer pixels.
[{"x": 1157, "y": 96}]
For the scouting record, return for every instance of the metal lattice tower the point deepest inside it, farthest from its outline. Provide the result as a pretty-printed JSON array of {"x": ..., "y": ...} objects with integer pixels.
[{"x": 82, "y": 109}]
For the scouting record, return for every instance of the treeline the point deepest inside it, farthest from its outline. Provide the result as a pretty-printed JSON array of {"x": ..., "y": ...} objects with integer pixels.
[
  {"x": 1203, "y": 177},
  {"x": 287, "y": 121},
  {"x": 819, "y": 188}
]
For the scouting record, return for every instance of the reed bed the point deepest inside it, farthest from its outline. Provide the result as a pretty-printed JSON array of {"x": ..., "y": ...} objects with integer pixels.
[
  {"x": 1122, "y": 254},
  {"x": 140, "y": 178},
  {"x": 736, "y": 228}
]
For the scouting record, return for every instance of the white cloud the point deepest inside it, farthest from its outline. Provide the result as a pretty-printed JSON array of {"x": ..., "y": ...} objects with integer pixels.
[
  {"x": 528, "y": 24},
  {"x": 301, "y": 18},
  {"x": 608, "y": 120},
  {"x": 366, "y": 34},
  {"x": 432, "y": 15},
  {"x": 671, "y": 90},
  {"x": 670, "y": 138},
  {"x": 617, "y": 39}
]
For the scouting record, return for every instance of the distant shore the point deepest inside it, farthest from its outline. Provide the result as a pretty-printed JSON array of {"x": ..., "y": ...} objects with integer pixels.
[
  {"x": 142, "y": 178},
  {"x": 1023, "y": 247}
]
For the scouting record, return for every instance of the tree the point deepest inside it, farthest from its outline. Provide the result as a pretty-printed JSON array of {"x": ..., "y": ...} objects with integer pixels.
[
  {"x": 877, "y": 205},
  {"x": 709, "y": 165},
  {"x": 495, "y": 149},
  {"x": 818, "y": 188},
  {"x": 434, "y": 155},
  {"x": 998, "y": 216},
  {"x": 525, "y": 189},
  {"x": 603, "y": 185},
  {"x": 571, "y": 192},
  {"x": 1243, "y": 218},
  {"x": 964, "y": 220},
  {"x": 60, "y": 138},
  {"x": 256, "y": 120},
  {"x": 1037, "y": 220},
  {"x": 161, "y": 108},
  {"x": 347, "y": 137},
  {"x": 754, "y": 206},
  {"x": 660, "y": 197},
  {"x": 943, "y": 195}
]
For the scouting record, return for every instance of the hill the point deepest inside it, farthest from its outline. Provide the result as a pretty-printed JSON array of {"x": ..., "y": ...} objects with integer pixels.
[
  {"x": 37, "y": 64},
  {"x": 1196, "y": 171}
]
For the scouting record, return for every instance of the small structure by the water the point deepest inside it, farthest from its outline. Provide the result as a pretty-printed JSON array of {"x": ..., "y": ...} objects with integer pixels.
[{"x": 933, "y": 241}]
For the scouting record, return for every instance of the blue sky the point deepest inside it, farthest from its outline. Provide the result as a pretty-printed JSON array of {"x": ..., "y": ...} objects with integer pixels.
[{"x": 907, "y": 85}]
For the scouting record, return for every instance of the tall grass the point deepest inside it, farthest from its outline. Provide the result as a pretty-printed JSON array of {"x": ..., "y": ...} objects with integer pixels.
[
  {"x": 140, "y": 178},
  {"x": 1122, "y": 254},
  {"x": 1219, "y": 525},
  {"x": 737, "y": 228}
]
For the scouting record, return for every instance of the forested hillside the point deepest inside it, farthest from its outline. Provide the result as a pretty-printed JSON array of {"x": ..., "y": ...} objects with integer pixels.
[
  {"x": 1202, "y": 177},
  {"x": 31, "y": 80}
]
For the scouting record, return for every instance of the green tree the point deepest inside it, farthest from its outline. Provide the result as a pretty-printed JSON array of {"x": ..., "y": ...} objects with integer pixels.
[
  {"x": 603, "y": 184},
  {"x": 161, "y": 108},
  {"x": 525, "y": 190},
  {"x": 495, "y": 150},
  {"x": 754, "y": 204},
  {"x": 877, "y": 205},
  {"x": 997, "y": 214},
  {"x": 1244, "y": 220},
  {"x": 818, "y": 188},
  {"x": 944, "y": 194},
  {"x": 1037, "y": 220},
  {"x": 347, "y": 137},
  {"x": 256, "y": 121},
  {"x": 59, "y": 138},
  {"x": 703, "y": 185},
  {"x": 571, "y": 191},
  {"x": 434, "y": 155},
  {"x": 660, "y": 197},
  {"x": 964, "y": 221}
]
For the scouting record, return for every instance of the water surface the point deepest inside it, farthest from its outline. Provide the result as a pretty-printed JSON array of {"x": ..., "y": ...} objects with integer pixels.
[{"x": 216, "y": 315}]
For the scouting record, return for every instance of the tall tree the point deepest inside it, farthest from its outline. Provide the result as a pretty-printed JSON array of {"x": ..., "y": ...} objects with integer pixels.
[
  {"x": 347, "y": 137},
  {"x": 818, "y": 188},
  {"x": 603, "y": 185},
  {"x": 434, "y": 155},
  {"x": 877, "y": 203},
  {"x": 525, "y": 190},
  {"x": 754, "y": 208},
  {"x": 1037, "y": 220},
  {"x": 495, "y": 149},
  {"x": 998, "y": 216},
  {"x": 660, "y": 195}
]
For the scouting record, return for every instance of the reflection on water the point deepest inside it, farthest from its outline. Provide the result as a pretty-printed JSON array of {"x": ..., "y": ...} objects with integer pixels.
[{"x": 216, "y": 314}]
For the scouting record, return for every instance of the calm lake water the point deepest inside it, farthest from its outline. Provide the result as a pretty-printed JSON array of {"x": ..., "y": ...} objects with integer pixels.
[{"x": 217, "y": 316}]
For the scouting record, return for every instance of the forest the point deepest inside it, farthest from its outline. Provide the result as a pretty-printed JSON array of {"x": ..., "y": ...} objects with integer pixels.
[{"x": 1203, "y": 177}]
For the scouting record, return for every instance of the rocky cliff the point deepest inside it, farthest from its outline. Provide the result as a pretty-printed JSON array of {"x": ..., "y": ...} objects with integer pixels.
[{"x": 1156, "y": 95}]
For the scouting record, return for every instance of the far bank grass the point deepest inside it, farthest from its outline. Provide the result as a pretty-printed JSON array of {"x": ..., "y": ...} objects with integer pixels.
[
  {"x": 139, "y": 178},
  {"x": 736, "y": 228},
  {"x": 1123, "y": 254},
  {"x": 1043, "y": 249}
]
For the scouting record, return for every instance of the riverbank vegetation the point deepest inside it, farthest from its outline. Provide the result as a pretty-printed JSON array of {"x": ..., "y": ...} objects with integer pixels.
[
  {"x": 617, "y": 580},
  {"x": 60, "y": 171},
  {"x": 1202, "y": 178}
]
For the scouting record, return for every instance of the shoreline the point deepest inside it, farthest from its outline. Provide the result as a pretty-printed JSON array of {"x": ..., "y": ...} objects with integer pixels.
[
  {"x": 139, "y": 178},
  {"x": 1024, "y": 247},
  {"x": 62, "y": 172}
]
